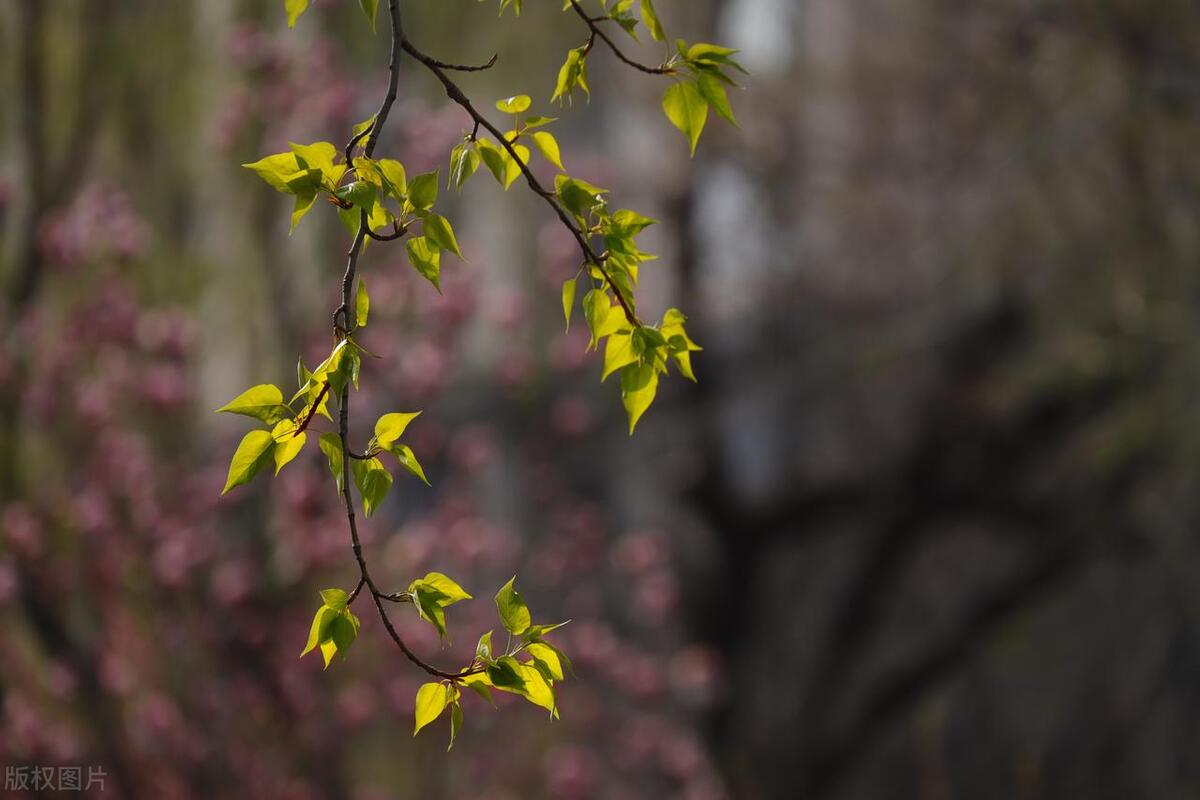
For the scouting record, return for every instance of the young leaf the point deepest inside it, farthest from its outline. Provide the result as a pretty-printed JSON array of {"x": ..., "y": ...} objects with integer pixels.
[
  {"x": 456, "y": 719},
  {"x": 331, "y": 446},
  {"x": 546, "y": 659},
  {"x": 451, "y": 591},
  {"x": 439, "y": 232},
  {"x": 288, "y": 443},
  {"x": 373, "y": 482},
  {"x": 294, "y": 9},
  {"x": 714, "y": 94},
  {"x": 618, "y": 353},
  {"x": 343, "y": 631},
  {"x": 513, "y": 611},
  {"x": 362, "y": 304},
  {"x": 650, "y": 18},
  {"x": 391, "y": 427},
  {"x": 319, "y": 631},
  {"x": 484, "y": 648},
  {"x": 369, "y": 8},
  {"x": 432, "y": 699},
  {"x": 464, "y": 160},
  {"x": 335, "y": 598},
  {"x": 515, "y": 104},
  {"x": 568, "y": 300},
  {"x": 251, "y": 456},
  {"x": 264, "y": 402},
  {"x": 404, "y": 455},
  {"x": 423, "y": 190},
  {"x": 426, "y": 259},
  {"x": 687, "y": 110},
  {"x": 548, "y": 145},
  {"x": 639, "y": 384}
]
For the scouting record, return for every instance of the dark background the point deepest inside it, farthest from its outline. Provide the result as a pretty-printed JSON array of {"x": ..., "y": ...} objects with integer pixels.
[{"x": 926, "y": 528}]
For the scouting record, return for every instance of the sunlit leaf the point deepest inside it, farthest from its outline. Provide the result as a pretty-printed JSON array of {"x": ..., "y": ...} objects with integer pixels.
[
  {"x": 513, "y": 611},
  {"x": 251, "y": 456}
]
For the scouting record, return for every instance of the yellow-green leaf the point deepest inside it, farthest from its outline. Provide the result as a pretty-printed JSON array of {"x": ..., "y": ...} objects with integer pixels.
[
  {"x": 408, "y": 460},
  {"x": 639, "y": 384},
  {"x": 618, "y": 353},
  {"x": 432, "y": 699},
  {"x": 294, "y": 9},
  {"x": 568, "y": 300},
  {"x": 264, "y": 402},
  {"x": 548, "y": 145},
  {"x": 687, "y": 110},
  {"x": 391, "y": 427},
  {"x": 362, "y": 303},
  {"x": 515, "y": 104},
  {"x": 512, "y": 609},
  {"x": 370, "y": 7},
  {"x": 650, "y": 18},
  {"x": 252, "y": 455}
]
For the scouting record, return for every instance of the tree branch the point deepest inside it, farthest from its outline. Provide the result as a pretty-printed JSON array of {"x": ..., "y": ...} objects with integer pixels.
[
  {"x": 589, "y": 254},
  {"x": 345, "y": 327},
  {"x": 597, "y": 32}
]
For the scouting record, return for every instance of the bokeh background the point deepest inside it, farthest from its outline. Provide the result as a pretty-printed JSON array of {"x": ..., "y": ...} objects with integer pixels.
[{"x": 927, "y": 527}]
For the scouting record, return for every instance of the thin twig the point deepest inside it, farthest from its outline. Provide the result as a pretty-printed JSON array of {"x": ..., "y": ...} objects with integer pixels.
[{"x": 591, "y": 22}]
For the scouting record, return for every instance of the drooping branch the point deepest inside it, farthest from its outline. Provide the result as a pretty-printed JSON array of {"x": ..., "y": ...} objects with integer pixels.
[
  {"x": 455, "y": 93},
  {"x": 344, "y": 324}
]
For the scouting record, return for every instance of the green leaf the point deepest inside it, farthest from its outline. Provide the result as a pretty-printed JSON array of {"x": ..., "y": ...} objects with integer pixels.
[
  {"x": 579, "y": 197},
  {"x": 391, "y": 427},
  {"x": 513, "y": 165},
  {"x": 572, "y": 74},
  {"x": 538, "y": 122},
  {"x": 331, "y": 446},
  {"x": 429, "y": 608},
  {"x": 251, "y": 456},
  {"x": 426, "y": 259},
  {"x": 484, "y": 648},
  {"x": 456, "y": 719},
  {"x": 451, "y": 591},
  {"x": 343, "y": 631},
  {"x": 335, "y": 598},
  {"x": 439, "y": 232},
  {"x": 404, "y": 455},
  {"x": 370, "y": 7},
  {"x": 618, "y": 353},
  {"x": 568, "y": 300},
  {"x": 515, "y": 104},
  {"x": 639, "y": 384},
  {"x": 597, "y": 308},
  {"x": 294, "y": 9},
  {"x": 276, "y": 170},
  {"x": 263, "y": 402},
  {"x": 713, "y": 92},
  {"x": 423, "y": 190},
  {"x": 650, "y": 18},
  {"x": 319, "y": 631},
  {"x": 494, "y": 158},
  {"x": 687, "y": 110},
  {"x": 362, "y": 304},
  {"x": 319, "y": 156},
  {"x": 288, "y": 443},
  {"x": 432, "y": 699},
  {"x": 464, "y": 160},
  {"x": 393, "y": 173},
  {"x": 513, "y": 611},
  {"x": 481, "y": 684},
  {"x": 546, "y": 658},
  {"x": 373, "y": 482},
  {"x": 548, "y": 145}
]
